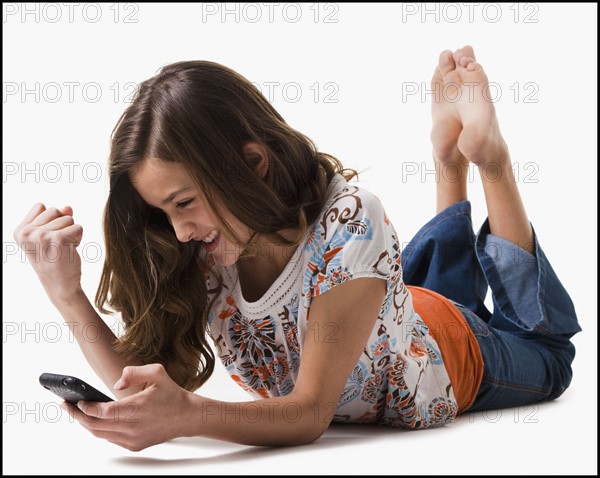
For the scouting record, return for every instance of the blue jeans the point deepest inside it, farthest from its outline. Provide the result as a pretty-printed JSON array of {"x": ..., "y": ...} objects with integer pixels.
[{"x": 524, "y": 342}]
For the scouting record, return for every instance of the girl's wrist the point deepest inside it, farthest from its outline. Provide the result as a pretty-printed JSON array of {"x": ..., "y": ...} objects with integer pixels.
[
  {"x": 194, "y": 421},
  {"x": 66, "y": 298}
]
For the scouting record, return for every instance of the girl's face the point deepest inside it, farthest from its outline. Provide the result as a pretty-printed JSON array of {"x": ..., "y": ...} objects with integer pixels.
[{"x": 168, "y": 186}]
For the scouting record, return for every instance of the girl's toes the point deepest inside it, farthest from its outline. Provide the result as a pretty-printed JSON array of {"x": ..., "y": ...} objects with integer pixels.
[
  {"x": 473, "y": 66},
  {"x": 465, "y": 61},
  {"x": 468, "y": 51},
  {"x": 457, "y": 55},
  {"x": 446, "y": 63}
]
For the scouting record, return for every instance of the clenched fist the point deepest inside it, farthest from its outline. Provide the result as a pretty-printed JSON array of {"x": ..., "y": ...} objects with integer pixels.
[{"x": 49, "y": 238}]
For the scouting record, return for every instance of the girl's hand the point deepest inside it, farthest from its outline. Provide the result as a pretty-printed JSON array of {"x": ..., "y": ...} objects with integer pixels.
[
  {"x": 49, "y": 238},
  {"x": 160, "y": 412}
]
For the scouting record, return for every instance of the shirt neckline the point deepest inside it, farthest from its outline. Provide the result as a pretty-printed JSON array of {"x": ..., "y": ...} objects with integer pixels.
[{"x": 286, "y": 279}]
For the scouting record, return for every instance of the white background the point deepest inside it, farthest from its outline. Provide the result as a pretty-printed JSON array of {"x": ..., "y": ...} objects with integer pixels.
[{"x": 368, "y": 59}]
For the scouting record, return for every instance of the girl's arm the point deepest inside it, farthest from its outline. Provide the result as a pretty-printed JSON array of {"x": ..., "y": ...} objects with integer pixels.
[
  {"x": 95, "y": 339},
  {"x": 49, "y": 238},
  {"x": 345, "y": 314},
  {"x": 345, "y": 317}
]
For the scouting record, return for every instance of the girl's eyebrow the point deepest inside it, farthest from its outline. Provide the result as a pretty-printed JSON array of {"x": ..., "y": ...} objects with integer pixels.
[{"x": 174, "y": 194}]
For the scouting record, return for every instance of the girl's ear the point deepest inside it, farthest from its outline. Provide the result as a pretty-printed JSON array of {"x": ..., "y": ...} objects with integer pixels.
[{"x": 257, "y": 157}]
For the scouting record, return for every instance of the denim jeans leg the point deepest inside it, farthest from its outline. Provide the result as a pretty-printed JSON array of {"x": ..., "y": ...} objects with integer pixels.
[
  {"x": 517, "y": 371},
  {"x": 525, "y": 289},
  {"x": 441, "y": 257},
  {"x": 525, "y": 344}
]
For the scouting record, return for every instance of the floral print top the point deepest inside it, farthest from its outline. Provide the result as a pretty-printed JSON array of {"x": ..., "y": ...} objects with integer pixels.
[{"x": 399, "y": 380}]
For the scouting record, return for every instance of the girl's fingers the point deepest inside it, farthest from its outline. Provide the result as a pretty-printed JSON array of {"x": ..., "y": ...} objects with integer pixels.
[
  {"x": 67, "y": 211},
  {"x": 35, "y": 211},
  {"x": 72, "y": 234},
  {"x": 140, "y": 375},
  {"x": 46, "y": 216},
  {"x": 58, "y": 223}
]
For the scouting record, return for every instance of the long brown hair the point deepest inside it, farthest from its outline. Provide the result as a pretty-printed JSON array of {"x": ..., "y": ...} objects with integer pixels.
[{"x": 199, "y": 114}]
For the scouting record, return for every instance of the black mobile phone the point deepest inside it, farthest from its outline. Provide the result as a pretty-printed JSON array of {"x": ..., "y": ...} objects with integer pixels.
[{"x": 71, "y": 389}]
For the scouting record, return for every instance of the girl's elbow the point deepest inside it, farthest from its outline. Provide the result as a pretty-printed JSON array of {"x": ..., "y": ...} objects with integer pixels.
[
  {"x": 312, "y": 431},
  {"x": 306, "y": 437},
  {"x": 305, "y": 433}
]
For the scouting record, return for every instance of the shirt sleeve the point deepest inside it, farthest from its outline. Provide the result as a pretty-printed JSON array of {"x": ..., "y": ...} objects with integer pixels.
[{"x": 353, "y": 239}]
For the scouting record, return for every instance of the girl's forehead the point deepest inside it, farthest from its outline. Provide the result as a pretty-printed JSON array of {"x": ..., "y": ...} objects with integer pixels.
[
  {"x": 158, "y": 169},
  {"x": 157, "y": 180}
]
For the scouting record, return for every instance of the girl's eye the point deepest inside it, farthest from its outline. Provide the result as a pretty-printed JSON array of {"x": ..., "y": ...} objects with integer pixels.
[{"x": 184, "y": 204}]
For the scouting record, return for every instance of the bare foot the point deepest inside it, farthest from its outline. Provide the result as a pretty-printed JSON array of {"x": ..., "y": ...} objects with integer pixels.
[
  {"x": 467, "y": 90},
  {"x": 446, "y": 122},
  {"x": 465, "y": 123}
]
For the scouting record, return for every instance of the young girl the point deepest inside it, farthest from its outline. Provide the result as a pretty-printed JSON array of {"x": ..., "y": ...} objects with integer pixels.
[{"x": 224, "y": 222}]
